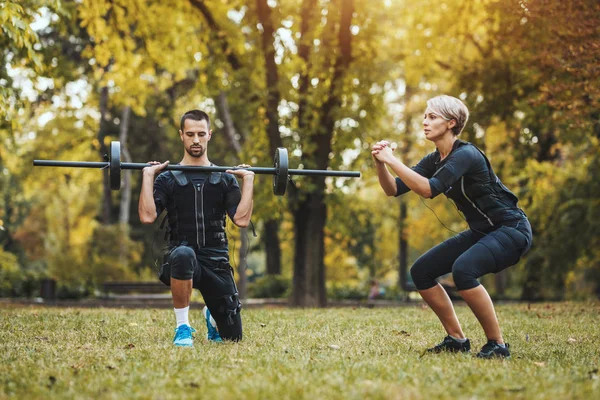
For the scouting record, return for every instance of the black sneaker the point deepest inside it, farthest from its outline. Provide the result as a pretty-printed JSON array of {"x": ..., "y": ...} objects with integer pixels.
[
  {"x": 492, "y": 349},
  {"x": 452, "y": 345}
]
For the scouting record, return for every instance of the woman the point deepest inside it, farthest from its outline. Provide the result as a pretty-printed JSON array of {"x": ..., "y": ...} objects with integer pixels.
[{"x": 498, "y": 235}]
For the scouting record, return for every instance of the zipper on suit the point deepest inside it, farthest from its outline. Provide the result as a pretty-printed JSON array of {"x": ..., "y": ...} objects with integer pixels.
[{"x": 200, "y": 189}]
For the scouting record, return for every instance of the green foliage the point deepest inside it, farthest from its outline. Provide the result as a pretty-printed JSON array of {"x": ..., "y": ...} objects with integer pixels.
[
  {"x": 270, "y": 286},
  {"x": 9, "y": 272},
  {"x": 347, "y": 291},
  {"x": 526, "y": 69},
  {"x": 564, "y": 210},
  {"x": 113, "y": 254}
]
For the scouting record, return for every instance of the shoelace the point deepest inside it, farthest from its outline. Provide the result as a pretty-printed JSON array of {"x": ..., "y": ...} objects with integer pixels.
[{"x": 184, "y": 330}]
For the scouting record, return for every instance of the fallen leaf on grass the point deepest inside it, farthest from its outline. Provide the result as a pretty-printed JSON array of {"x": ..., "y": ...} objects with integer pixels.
[{"x": 129, "y": 346}]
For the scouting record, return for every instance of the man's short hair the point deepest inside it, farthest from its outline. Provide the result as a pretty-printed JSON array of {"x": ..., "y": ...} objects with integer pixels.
[
  {"x": 195, "y": 115},
  {"x": 450, "y": 108}
]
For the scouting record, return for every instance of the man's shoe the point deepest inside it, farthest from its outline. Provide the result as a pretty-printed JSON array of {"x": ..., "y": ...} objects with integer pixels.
[
  {"x": 211, "y": 325},
  {"x": 493, "y": 350},
  {"x": 183, "y": 336},
  {"x": 451, "y": 345}
]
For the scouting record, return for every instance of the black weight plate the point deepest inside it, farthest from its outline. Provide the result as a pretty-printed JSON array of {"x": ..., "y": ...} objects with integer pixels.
[
  {"x": 115, "y": 165},
  {"x": 280, "y": 179}
]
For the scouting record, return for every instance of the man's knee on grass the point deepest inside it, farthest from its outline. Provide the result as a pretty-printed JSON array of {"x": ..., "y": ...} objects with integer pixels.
[{"x": 226, "y": 312}]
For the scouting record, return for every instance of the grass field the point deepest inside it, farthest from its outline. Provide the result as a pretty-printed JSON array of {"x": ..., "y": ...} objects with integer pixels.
[{"x": 59, "y": 353}]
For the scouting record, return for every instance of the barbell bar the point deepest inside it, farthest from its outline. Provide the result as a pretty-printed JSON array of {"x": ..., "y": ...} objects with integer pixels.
[{"x": 280, "y": 169}]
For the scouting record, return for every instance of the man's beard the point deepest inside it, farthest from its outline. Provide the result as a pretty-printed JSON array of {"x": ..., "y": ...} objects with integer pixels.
[{"x": 198, "y": 154}]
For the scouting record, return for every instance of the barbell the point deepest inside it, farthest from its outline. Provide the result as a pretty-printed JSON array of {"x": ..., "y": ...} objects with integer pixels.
[{"x": 280, "y": 170}]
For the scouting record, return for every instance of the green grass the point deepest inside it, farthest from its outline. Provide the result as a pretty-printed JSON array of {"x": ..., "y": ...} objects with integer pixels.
[{"x": 293, "y": 354}]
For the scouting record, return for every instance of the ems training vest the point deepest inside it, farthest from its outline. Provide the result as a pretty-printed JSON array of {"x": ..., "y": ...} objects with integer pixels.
[
  {"x": 485, "y": 204},
  {"x": 197, "y": 213}
]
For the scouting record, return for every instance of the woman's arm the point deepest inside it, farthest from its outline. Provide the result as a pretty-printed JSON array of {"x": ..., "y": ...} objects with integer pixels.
[
  {"x": 386, "y": 180},
  {"x": 383, "y": 154}
]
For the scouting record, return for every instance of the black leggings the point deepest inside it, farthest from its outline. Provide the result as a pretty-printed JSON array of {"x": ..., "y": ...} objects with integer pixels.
[
  {"x": 213, "y": 276},
  {"x": 472, "y": 254}
]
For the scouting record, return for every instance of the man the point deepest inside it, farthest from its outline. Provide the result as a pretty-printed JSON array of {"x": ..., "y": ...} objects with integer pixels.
[{"x": 198, "y": 256}]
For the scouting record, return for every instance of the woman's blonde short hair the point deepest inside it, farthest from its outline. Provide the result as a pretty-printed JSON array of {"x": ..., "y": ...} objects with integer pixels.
[{"x": 450, "y": 108}]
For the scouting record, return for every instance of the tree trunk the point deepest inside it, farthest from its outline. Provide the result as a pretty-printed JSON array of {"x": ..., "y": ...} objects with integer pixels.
[
  {"x": 310, "y": 211},
  {"x": 229, "y": 127},
  {"x": 403, "y": 215},
  {"x": 106, "y": 195},
  {"x": 243, "y": 265},
  {"x": 219, "y": 39},
  {"x": 271, "y": 226},
  {"x": 231, "y": 134},
  {"x": 309, "y": 268},
  {"x": 125, "y": 204},
  {"x": 500, "y": 281},
  {"x": 272, "y": 247},
  {"x": 403, "y": 247}
]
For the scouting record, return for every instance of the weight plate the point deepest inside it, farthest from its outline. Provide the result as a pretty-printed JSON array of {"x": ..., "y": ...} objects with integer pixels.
[
  {"x": 115, "y": 165},
  {"x": 280, "y": 179}
]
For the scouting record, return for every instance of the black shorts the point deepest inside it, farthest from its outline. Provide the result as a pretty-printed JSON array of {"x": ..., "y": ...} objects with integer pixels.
[{"x": 213, "y": 276}]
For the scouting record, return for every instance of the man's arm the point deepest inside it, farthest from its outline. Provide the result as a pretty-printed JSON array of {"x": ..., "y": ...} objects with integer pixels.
[
  {"x": 244, "y": 209},
  {"x": 146, "y": 205}
]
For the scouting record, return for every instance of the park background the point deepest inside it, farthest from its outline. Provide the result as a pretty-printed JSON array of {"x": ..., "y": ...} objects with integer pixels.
[{"x": 324, "y": 78}]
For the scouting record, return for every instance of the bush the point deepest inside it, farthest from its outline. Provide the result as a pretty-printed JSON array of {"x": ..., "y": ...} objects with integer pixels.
[
  {"x": 15, "y": 281},
  {"x": 345, "y": 291},
  {"x": 9, "y": 273},
  {"x": 270, "y": 286}
]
